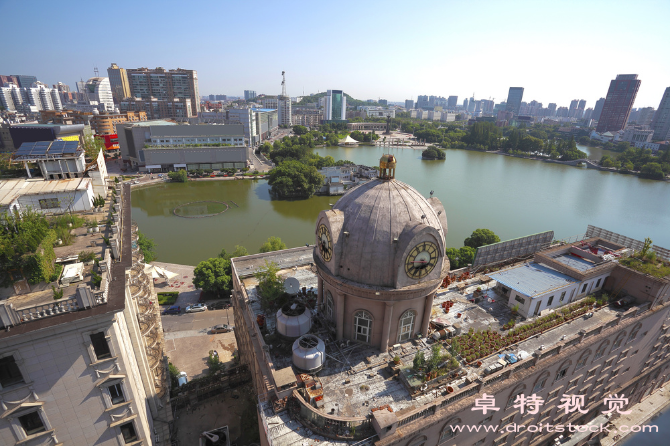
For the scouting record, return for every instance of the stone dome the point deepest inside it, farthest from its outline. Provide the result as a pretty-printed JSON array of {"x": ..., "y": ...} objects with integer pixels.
[{"x": 374, "y": 228}]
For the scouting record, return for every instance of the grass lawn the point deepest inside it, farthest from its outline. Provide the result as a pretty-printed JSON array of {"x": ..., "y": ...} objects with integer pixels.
[{"x": 168, "y": 298}]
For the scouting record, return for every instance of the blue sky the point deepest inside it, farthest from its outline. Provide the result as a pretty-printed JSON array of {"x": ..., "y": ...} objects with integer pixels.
[{"x": 556, "y": 50}]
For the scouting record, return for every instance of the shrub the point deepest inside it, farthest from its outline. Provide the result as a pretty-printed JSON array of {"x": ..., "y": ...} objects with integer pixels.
[
  {"x": 58, "y": 294},
  {"x": 167, "y": 298},
  {"x": 86, "y": 256}
]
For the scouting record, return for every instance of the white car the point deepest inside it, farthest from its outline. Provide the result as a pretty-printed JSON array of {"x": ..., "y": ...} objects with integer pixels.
[
  {"x": 196, "y": 308},
  {"x": 182, "y": 378}
]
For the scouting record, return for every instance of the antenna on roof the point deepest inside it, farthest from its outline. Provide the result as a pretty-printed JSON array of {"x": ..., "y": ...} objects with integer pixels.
[{"x": 95, "y": 70}]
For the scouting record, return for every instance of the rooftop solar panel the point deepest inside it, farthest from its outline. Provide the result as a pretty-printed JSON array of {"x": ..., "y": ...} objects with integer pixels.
[
  {"x": 25, "y": 149},
  {"x": 71, "y": 147}
]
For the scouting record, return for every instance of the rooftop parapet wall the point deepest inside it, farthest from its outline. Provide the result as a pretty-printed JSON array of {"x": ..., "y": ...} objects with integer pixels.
[
  {"x": 643, "y": 287},
  {"x": 600, "y": 266}
]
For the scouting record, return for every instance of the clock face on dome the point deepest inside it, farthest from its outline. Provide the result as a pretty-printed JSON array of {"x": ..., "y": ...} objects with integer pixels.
[
  {"x": 325, "y": 242},
  {"x": 421, "y": 260}
]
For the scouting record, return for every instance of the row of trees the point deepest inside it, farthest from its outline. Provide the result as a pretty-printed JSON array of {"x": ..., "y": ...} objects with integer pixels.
[
  {"x": 644, "y": 161},
  {"x": 462, "y": 257},
  {"x": 214, "y": 275}
]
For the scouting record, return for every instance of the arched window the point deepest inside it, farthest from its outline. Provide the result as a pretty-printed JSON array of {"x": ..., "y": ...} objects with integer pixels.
[
  {"x": 633, "y": 334},
  {"x": 562, "y": 370},
  {"x": 329, "y": 306},
  {"x": 617, "y": 342},
  {"x": 449, "y": 431},
  {"x": 363, "y": 326},
  {"x": 516, "y": 392},
  {"x": 406, "y": 325},
  {"x": 601, "y": 350},
  {"x": 418, "y": 441},
  {"x": 541, "y": 382},
  {"x": 582, "y": 360}
]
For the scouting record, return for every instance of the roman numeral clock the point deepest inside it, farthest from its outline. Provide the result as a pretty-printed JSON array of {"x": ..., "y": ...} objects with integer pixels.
[{"x": 421, "y": 260}]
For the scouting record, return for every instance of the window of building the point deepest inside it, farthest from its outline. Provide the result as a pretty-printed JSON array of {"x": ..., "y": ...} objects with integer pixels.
[
  {"x": 553, "y": 394},
  {"x": 598, "y": 283},
  {"x": 329, "y": 306},
  {"x": 584, "y": 288},
  {"x": 362, "y": 325},
  {"x": 128, "y": 432},
  {"x": 518, "y": 391},
  {"x": 633, "y": 334},
  {"x": 601, "y": 350},
  {"x": 520, "y": 299},
  {"x": 562, "y": 297},
  {"x": 406, "y": 327},
  {"x": 618, "y": 341},
  {"x": 500, "y": 440},
  {"x": 608, "y": 363},
  {"x": 116, "y": 394},
  {"x": 615, "y": 373},
  {"x": 573, "y": 383},
  {"x": 541, "y": 382},
  {"x": 582, "y": 360},
  {"x": 551, "y": 299},
  {"x": 623, "y": 355},
  {"x": 486, "y": 420},
  {"x": 32, "y": 423},
  {"x": 507, "y": 420},
  {"x": 600, "y": 381},
  {"x": 562, "y": 372},
  {"x": 448, "y": 431},
  {"x": 591, "y": 373},
  {"x": 100, "y": 346},
  {"x": 49, "y": 203},
  {"x": 9, "y": 372}
]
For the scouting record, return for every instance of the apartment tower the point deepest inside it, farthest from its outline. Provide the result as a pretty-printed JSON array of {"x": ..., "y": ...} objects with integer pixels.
[
  {"x": 165, "y": 85},
  {"x": 618, "y": 103},
  {"x": 514, "y": 98},
  {"x": 661, "y": 123},
  {"x": 118, "y": 80}
]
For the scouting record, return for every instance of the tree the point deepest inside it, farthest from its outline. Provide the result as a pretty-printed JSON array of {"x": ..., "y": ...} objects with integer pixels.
[
  {"x": 294, "y": 179},
  {"x": 272, "y": 244},
  {"x": 212, "y": 276},
  {"x": 93, "y": 146},
  {"x": 653, "y": 170},
  {"x": 466, "y": 255},
  {"x": 419, "y": 361},
  {"x": 481, "y": 237},
  {"x": 179, "y": 176},
  {"x": 433, "y": 153},
  {"x": 300, "y": 129},
  {"x": 239, "y": 251},
  {"x": 147, "y": 246},
  {"x": 270, "y": 285}
]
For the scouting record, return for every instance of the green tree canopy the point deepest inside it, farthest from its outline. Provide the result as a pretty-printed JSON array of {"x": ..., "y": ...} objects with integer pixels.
[
  {"x": 179, "y": 176},
  {"x": 239, "y": 251},
  {"x": 460, "y": 258},
  {"x": 481, "y": 237},
  {"x": 270, "y": 285},
  {"x": 147, "y": 246},
  {"x": 295, "y": 179},
  {"x": 213, "y": 276},
  {"x": 433, "y": 153},
  {"x": 272, "y": 244},
  {"x": 300, "y": 129}
]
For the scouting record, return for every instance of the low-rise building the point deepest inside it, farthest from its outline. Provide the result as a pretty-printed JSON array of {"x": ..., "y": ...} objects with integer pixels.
[
  {"x": 51, "y": 196},
  {"x": 366, "y": 126},
  {"x": 105, "y": 123},
  {"x": 635, "y": 134}
]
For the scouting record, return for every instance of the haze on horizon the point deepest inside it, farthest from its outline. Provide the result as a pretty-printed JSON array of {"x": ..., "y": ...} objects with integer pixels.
[{"x": 557, "y": 51}]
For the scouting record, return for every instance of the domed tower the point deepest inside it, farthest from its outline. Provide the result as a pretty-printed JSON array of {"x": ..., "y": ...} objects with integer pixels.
[{"x": 380, "y": 255}]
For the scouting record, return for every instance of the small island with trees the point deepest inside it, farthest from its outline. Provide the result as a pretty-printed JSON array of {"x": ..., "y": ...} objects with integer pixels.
[{"x": 433, "y": 153}]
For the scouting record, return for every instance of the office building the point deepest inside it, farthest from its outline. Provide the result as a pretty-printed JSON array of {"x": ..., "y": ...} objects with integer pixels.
[
  {"x": 661, "y": 122},
  {"x": 465, "y": 104},
  {"x": 383, "y": 102},
  {"x": 424, "y": 102},
  {"x": 171, "y": 86},
  {"x": 269, "y": 102},
  {"x": 308, "y": 117},
  {"x": 176, "y": 109},
  {"x": 597, "y": 110},
  {"x": 452, "y": 102},
  {"x": 249, "y": 95},
  {"x": 105, "y": 123},
  {"x": 618, "y": 103},
  {"x": 25, "y": 81},
  {"x": 409, "y": 104},
  {"x": 5, "y": 81},
  {"x": 118, "y": 81},
  {"x": 351, "y": 375},
  {"x": 335, "y": 108},
  {"x": 99, "y": 92},
  {"x": 514, "y": 98},
  {"x": 637, "y": 134}
]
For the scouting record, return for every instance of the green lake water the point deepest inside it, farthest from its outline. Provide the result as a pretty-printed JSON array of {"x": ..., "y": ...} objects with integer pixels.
[{"x": 511, "y": 196}]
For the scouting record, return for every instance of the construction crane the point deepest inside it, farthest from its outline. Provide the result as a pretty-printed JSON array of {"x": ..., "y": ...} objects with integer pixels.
[{"x": 283, "y": 83}]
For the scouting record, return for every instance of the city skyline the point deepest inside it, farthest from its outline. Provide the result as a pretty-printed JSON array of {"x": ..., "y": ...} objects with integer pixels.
[{"x": 443, "y": 60}]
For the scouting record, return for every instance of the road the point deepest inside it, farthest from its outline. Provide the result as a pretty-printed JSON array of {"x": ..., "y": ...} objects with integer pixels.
[{"x": 188, "y": 342}]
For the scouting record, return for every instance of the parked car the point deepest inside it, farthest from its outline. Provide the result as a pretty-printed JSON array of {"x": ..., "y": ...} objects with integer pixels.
[
  {"x": 196, "y": 308},
  {"x": 495, "y": 367},
  {"x": 182, "y": 379},
  {"x": 174, "y": 309},
  {"x": 588, "y": 315},
  {"x": 624, "y": 302},
  {"x": 223, "y": 328},
  {"x": 218, "y": 305},
  {"x": 511, "y": 358}
]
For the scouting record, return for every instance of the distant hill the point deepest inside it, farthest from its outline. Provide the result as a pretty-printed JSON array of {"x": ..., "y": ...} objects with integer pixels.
[{"x": 350, "y": 101}]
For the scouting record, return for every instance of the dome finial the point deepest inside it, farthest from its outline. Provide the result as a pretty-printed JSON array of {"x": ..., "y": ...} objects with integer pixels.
[{"x": 387, "y": 167}]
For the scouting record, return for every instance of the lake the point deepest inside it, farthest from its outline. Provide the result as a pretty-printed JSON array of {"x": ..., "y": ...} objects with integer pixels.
[{"x": 513, "y": 197}]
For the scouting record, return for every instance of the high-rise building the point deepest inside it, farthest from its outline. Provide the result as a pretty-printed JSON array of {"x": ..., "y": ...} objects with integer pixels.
[
  {"x": 409, "y": 104},
  {"x": 465, "y": 104},
  {"x": 284, "y": 104},
  {"x": 582, "y": 104},
  {"x": 588, "y": 113},
  {"x": 383, "y": 102},
  {"x": 6, "y": 80},
  {"x": 118, "y": 81},
  {"x": 25, "y": 81},
  {"x": 645, "y": 115},
  {"x": 452, "y": 102},
  {"x": 249, "y": 94},
  {"x": 514, "y": 98},
  {"x": 336, "y": 106},
  {"x": 598, "y": 108},
  {"x": 99, "y": 91},
  {"x": 61, "y": 87},
  {"x": 661, "y": 122},
  {"x": 165, "y": 85},
  {"x": 552, "y": 109},
  {"x": 618, "y": 102}
]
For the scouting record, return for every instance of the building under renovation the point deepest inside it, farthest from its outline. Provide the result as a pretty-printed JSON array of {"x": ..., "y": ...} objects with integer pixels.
[{"x": 375, "y": 341}]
